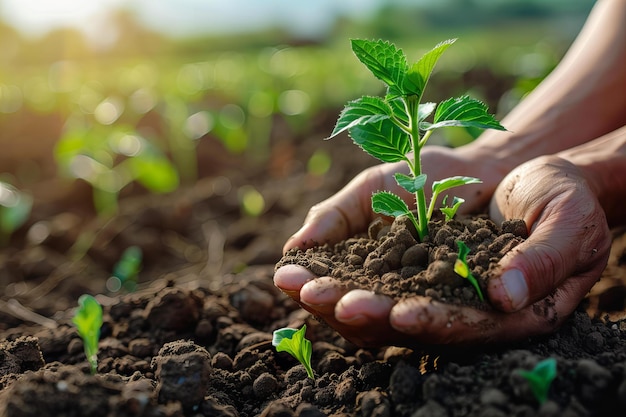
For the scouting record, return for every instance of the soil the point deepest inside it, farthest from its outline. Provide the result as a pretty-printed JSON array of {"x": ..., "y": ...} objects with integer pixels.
[
  {"x": 194, "y": 338},
  {"x": 390, "y": 260}
]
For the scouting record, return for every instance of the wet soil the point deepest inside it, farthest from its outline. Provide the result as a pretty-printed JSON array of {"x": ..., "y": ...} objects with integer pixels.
[{"x": 194, "y": 338}]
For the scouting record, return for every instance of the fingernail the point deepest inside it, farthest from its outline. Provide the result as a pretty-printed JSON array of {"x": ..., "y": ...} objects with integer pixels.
[{"x": 516, "y": 288}]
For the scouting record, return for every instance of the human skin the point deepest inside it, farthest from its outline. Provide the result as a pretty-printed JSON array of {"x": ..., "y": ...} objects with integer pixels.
[{"x": 568, "y": 197}]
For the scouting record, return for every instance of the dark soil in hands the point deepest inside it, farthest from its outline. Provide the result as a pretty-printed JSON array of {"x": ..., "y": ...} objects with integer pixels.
[
  {"x": 390, "y": 261},
  {"x": 194, "y": 339}
]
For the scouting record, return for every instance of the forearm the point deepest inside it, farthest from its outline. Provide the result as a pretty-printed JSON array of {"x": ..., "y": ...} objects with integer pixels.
[
  {"x": 603, "y": 163},
  {"x": 582, "y": 99}
]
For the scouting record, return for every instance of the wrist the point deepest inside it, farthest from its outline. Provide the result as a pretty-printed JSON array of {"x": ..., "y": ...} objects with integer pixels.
[{"x": 602, "y": 162}]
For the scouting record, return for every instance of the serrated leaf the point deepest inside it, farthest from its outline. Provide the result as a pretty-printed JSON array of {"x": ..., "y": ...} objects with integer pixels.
[
  {"x": 419, "y": 73},
  {"x": 361, "y": 111},
  {"x": 384, "y": 60},
  {"x": 451, "y": 182},
  {"x": 464, "y": 112},
  {"x": 398, "y": 108},
  {"x": 409, "y": 183},
  {"x": 389, "y": 204},
  {"x": 382, "y": 139},
  {"x": 425, "y": 109}
]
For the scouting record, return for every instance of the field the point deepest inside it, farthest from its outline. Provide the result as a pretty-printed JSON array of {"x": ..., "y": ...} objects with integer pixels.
[{"x": 205, "y": 155}]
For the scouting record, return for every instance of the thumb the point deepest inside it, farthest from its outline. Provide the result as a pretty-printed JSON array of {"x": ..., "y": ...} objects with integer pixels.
[{"x": 567, "y": 247}]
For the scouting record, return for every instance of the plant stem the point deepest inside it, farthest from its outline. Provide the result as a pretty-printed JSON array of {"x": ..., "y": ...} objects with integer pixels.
[{"x": 416, "y": 168}]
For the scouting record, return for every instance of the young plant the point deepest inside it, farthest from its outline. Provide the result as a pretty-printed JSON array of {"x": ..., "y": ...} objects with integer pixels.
[
  {"x": 88, "y": 321},
  {"x": 293, "y": 342},
  {"x": 540, "y": 378},
  {"x": 126, "y": 270},
  {"x": 15, "y": 207},
  {"x": 394, "y": 128},
  {"x": 461, "y": 268}
]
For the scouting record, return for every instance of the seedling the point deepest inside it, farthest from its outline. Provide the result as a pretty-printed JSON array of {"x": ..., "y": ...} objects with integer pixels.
[
  {"x": 394, "y": 128},
  {"x": 88, "y": 321},
  {"x": 126, "y": 270},
  {"x": 15, "y": 207},
  {"x": 461, "y": 268},
  {"x": 293, "y": 342},
  {"x": 540, "y": 378}
]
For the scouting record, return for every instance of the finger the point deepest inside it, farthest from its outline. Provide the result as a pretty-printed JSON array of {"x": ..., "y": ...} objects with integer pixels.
[
  {"x": 291, "y": 278},
  {"x": 430, "y": 322},
  {"x": 323, "y": 294},
  {"x": 556, "y": 249},
  {"x": 362, "y": 307}
]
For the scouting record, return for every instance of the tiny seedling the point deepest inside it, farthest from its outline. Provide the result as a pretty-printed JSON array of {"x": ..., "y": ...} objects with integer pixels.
[
  {"x": 127, "y": 268},
  {"x": 461, "y": 268},
  {"x": 293, "y": 342},
  {"x": 88, "y": 321},
  {"x": 395, "y": 128},
  {"x": 540, "y": 378}
]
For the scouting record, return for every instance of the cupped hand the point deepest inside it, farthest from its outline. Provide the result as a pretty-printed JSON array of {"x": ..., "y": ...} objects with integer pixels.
[{"x": 541, "y": 282}]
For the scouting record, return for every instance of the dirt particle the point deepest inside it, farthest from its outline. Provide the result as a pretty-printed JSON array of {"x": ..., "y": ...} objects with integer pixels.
[
  {"x": 183, "y": 370},
  {"x": 265, "y": 385}
]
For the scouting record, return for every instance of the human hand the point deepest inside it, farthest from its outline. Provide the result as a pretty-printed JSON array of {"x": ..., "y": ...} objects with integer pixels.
[
  {"x": 349, "y": 212},
  {"x": 563, "y": 257}
]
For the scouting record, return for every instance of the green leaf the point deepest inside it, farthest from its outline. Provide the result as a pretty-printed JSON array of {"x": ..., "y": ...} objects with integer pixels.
[
  {"x": 451, "y": 182},
  {"x": 361, "y": 111},
  {"x": 450, "y": 212},
  {"x": 425, "y": 109},
  {"x": 461, "y": 268},
  {"x": 420, "y": 72},
  {"x": 384, "y": 60},
  {"x": 464, "y": 112},
  {"x": 88, "y": 321},
  {"x": 154, "y": 171},
  {"x": 383, "y": 140},
  {"x": 389, "y": 204},
  {"x": 540, "y": 378},
  {"x": 409, "y": 183},
  {"x": 293, "y": 342}
]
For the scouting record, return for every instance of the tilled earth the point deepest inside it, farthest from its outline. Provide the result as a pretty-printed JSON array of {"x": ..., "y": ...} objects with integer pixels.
[{"x": 194, "y": 339}]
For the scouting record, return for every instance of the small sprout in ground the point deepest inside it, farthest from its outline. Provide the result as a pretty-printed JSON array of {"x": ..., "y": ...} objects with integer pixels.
[
  {"x": 450, "y": 212},
  {"x": 461, "y": 268},
  {"x": 540, "y": 378},
  {"x": 126, "y": 270},
  {"x": 293, "y": 342},
  {"x": 394, "y": 128},
  {"x": 88, "y": 321}
]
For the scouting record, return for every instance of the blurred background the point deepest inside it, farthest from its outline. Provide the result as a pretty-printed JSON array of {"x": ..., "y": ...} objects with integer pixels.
[{"x": 105, "y": 99}]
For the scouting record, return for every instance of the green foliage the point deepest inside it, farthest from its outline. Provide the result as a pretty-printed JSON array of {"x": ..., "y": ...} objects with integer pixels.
[
  {"x": 461, "y": 268},
  {"x": 15, "y": 207},
  {"x": 293, "y": 342},
  {"x": 450, "y": 211},
  {"x": 125, "y": 271},
  {"x": 394, "y": 128},
  {"x": 88, "y": 321},
  {"x": 109, "y": 159},
  {"x": 540, "y": 378}
]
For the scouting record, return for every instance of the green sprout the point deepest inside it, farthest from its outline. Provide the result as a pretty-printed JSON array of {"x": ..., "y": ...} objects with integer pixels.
[
  {"x": 88, "y": 320},
  {"x": 126, "y": 270},
  {"x": 540, "y": 378},
  {"x": 15, "y": 208},
  {"x": 394, "y": 128},
  {"x": 461, "y": 268},
  {"x": 450, "y": 211},
  {"x": 293, "y": 342}
]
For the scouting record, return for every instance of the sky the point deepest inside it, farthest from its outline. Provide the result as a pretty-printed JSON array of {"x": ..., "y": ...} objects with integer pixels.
[{"x": 183, "y": 17}]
